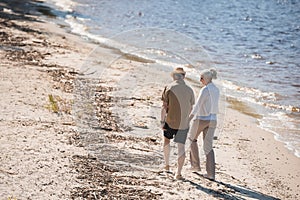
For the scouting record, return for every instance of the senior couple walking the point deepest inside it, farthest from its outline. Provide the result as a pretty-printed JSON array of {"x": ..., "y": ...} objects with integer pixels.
[{"x": 179, "y": 110}]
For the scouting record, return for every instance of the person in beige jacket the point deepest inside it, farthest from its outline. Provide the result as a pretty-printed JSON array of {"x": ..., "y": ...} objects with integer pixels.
[{"x": 178, "y": 100}]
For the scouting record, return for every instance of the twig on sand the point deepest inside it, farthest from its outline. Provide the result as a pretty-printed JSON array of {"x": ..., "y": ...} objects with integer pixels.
[
  {"x": 141, "y": 149},
  {"x": 8, "y": 172}
]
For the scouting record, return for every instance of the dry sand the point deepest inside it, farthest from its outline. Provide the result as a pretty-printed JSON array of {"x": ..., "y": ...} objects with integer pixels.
[{"x": 66, "y": 133}]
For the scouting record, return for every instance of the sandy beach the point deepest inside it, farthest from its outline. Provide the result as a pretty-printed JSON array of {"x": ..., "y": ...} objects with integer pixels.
[{"x": 81, "y": 121}]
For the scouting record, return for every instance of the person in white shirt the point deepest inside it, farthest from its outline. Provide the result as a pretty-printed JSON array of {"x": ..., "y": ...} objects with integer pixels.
[{"x": 204, "y": 119}]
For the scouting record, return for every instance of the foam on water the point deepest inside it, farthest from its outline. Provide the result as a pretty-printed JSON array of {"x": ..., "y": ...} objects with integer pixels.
[
  {"x": 65, "y": 5},
  {"x": 278, "y": 123}
]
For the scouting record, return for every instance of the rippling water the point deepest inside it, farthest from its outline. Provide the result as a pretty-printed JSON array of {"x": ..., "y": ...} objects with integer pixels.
[{"x": 254, "y": 44}]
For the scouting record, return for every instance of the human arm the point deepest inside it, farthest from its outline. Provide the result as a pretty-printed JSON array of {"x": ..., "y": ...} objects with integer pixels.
[
  {"x": 164, "y": 108},
  {"x": 163, "y": 114},
  {"x": 199, "y": 103},
  {"x": 191, "y": 116}
]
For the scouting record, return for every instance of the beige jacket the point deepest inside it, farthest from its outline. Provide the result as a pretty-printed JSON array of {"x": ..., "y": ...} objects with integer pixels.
[{"x": 179, "y": 99}]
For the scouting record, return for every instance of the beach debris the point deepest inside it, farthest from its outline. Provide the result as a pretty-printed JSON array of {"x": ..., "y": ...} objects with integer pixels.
[
  {"x": 8, "y": 172},
  {"x": 75, "y": 139},
  {"x": 104, "y": 101},
  {"x": 11, "y": 198},
  {"x": 141, "y": 125},
  {"x": 63, "y": 78},
  {"x": 245, "y": 139},
  {"x": 11, "y": 40},
  {"x": 31, "y": 57},
  {"x": 140, "y": 149},
  {"x": 19, "y": 48},
  {"x": 116, "y": 138},
  {"x": 53, "y": 104},
  {"x": 58, "y": 104},
  {"x": 100, "y": 181}
]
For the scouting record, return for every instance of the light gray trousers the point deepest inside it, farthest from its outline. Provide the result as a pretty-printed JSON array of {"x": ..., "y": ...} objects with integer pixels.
[{"x": 208, "y": 128}]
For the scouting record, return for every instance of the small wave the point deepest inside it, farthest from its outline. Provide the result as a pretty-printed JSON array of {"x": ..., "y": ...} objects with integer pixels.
[
  {"x": 278, "y": 123},
  {"x": 137, "y": 58},
  {"x": 280, "y": 120},
  {"x": 266, "y": 99},
  {"x": 255, "y": 93},
  {"x": 65, "y": 5},
  {"x": 282, "y": 107},
  {"x": 76, "y": 27},
  {"x": 297, "y": 153}
]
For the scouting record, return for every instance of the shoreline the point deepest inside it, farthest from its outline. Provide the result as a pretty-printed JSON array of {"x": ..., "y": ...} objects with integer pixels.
[
  {"x": 280, "y": 113},
  {"x": 260, "y": 109},
  {"x": 248, "y": 165}
]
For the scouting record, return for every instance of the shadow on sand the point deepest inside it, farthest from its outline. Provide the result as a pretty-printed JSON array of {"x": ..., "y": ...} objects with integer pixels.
[{"x": 230, "y": 191}]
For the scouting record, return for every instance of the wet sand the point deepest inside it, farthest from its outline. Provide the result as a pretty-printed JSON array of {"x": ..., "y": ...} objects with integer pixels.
[{"x": 66, "y": 133}]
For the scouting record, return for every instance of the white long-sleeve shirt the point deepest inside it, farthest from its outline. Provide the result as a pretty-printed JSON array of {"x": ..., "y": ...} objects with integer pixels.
[{"x": 207, "y": 102}]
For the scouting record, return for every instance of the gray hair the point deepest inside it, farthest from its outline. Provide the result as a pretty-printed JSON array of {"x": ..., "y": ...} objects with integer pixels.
[
  {"x": 209, "y": 74},
  {"x": 178, "y": 76}
]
